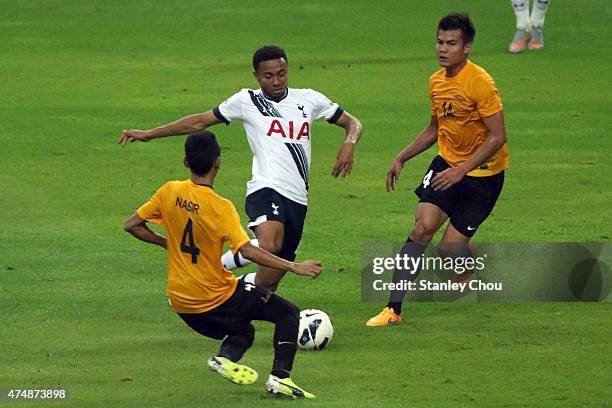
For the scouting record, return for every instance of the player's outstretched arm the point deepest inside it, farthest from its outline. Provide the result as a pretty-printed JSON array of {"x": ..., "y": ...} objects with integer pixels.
[
  {"x": 344, "y": 159},
  {"x": 422, "y": 142},
  {"x": 137, "y": 226},
  {"x": 494, "y": 141},
  {"x": 264, "y": 258},
  {"x": 188, "y": 124}
]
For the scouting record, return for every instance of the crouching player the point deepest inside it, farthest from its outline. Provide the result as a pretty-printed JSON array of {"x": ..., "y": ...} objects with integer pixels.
[{"x": 205, "y": 295}]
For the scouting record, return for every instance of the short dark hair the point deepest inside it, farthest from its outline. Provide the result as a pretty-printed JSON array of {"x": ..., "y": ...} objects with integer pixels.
[
  {"x": 459, "y": 21},
  {"x": 201, "y": 151},
  {"x": 266, "y": 53}
]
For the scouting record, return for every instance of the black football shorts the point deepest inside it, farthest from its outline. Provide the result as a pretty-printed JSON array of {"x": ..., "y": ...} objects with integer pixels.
[
  {"x": 234, "y": 316},
  {"x": 268, "y": 205},
  {"x": 467, "y": 203}
]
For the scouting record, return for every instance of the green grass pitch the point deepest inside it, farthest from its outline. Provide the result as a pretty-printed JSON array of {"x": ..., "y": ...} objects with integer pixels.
[{"x": 82, "y": 303}]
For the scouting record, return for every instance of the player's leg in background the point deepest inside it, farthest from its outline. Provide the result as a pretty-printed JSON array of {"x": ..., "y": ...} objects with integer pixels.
[
  {"x": 454, "y": 244},
  {"x": 523, "y": 25},
  {"x": 283, "y": 241},
  {"x": 428, "y": 220},
  {"x": 270, "y": 235},
  {"x": 269, "y": 213},
  {"x": 271, "y": 278},
  {"x": 231, "y": 261},
  {"x": 538, "y": 14}
]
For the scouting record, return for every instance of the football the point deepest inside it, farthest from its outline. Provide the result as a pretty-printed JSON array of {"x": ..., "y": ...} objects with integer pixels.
[{"x": 316, "y": 330}]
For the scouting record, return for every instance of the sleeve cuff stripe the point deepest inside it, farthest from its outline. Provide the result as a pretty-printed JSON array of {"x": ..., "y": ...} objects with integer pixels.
[
  {"x": 219, "y": 116},
  {"x": 336, "y": 115}
]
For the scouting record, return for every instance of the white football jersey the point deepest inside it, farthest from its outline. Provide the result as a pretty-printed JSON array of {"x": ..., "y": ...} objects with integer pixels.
[{"x": 279, "y": 134}]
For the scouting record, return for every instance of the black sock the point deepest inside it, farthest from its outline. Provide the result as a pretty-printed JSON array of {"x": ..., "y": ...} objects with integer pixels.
[
  {"x": 412, "y": 250},
  {"x": 234, "y": 346},
  {"x": 396, "y": 306},
  {"x": 280, "y": 373},
  {"x": 285, "y": 344}
]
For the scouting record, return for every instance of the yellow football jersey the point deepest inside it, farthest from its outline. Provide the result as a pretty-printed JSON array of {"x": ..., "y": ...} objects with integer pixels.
[
  {"x": 459, "y": 103},
  {"x": 198, "y": 222}
]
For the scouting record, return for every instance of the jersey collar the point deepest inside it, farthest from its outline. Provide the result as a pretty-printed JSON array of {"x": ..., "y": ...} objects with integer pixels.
[
  {"x": 466, "y": 68},
  {"x": 276, "y": 100},
  {"x": 202, "y": 185}
]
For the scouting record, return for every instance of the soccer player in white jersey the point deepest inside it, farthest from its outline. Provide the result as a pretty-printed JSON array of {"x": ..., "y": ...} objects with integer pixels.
[{"x": 278, "y": 121}]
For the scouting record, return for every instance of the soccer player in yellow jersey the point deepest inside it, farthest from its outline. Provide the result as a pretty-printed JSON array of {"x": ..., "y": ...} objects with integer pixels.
[
  {"x": 198, "y": 222},
  {"x": 465, "y": 179}
]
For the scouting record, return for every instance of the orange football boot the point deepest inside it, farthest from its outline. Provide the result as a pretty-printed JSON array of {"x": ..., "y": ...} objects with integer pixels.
[
  {"x": 385, "y": 318},
  {"x": 519, "y": 41}
]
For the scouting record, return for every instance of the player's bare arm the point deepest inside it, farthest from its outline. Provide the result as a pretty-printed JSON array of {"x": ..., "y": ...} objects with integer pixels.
[
  {"x": 494, "y": 141},
  {"x": 422, "y": 142},
  {"x": 344, "y": 159},
  {"x": 138, "y": 227},
  {"x": 188, "y": 124},
  {"x": 264, "y": 258}
]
